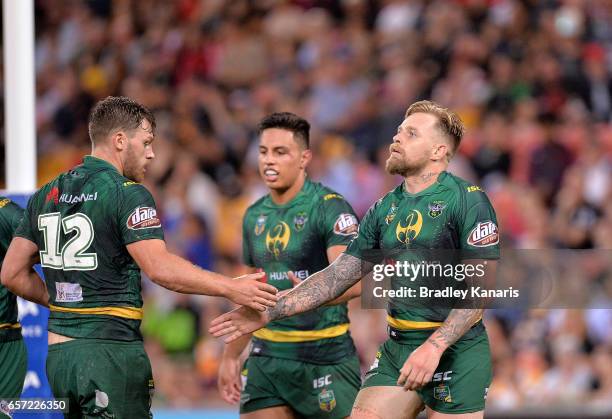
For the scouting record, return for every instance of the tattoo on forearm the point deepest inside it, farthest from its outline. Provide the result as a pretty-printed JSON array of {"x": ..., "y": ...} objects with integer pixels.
[
  {"x": 460, "y": 320},
  {"x": 456, "y": 324},
  {"x": 321, "y": 287}
]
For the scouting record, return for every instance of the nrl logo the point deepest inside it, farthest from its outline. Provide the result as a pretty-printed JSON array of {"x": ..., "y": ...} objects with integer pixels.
[
  {"x": 279, "y": 239},
  {"x": 299, "y": 221},
  {"x": 260, "y": 224},
  {"x": 391, "y": 214},
  {"x": 435, "y": 208},
  {"x": 327, "y": 400}
]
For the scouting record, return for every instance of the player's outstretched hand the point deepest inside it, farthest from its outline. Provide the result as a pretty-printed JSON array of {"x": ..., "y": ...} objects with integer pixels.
[
  {"x": 248, "y": 291},
  {"x": 237, "y": 323}
]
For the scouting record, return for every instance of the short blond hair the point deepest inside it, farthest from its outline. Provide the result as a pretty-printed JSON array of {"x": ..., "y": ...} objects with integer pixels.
[{"x": 449, "y": 123}]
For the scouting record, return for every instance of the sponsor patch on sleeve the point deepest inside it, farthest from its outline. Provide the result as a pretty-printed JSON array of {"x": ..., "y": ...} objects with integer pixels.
[
  {"x": 143, "y": 217},
  {"x": 483, "y": 235},
  {"x": 346, "y": 225}
]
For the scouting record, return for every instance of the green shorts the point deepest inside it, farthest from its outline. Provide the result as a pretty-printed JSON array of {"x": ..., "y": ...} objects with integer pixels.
[
  {"x": 14, "y": 365},
  {"x": 460, "y": 383},
  {"x": 101, "y": 378},
  {"x": 312, "y": 390}
]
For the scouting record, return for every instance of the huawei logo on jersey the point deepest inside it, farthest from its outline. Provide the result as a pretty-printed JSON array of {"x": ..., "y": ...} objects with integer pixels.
[
  {"x": 484, "y": 234},
  {"x": 143, "y": 217},
  {"x": 277, "y": 238},
  {"x": 410, "y": 231},
  {"x": 53, "y": 195}
]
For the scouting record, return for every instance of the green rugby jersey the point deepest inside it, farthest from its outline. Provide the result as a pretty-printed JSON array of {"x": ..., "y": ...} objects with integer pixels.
[
  {"x": 451, "y": 214},
  {"x": 81, "y": 222},
  {"x": 10, "y": 216},
  {"x": 295, "y": 237}
]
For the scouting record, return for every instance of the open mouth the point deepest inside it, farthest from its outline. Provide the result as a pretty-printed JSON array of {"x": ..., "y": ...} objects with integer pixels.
[{"x": 270, "y": 175}]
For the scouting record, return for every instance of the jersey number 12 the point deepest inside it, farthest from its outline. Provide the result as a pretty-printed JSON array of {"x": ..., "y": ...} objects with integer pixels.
[{"x": 72, "y": 256}]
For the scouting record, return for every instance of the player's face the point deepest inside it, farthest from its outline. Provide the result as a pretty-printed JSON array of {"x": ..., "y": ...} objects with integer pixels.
[
  {"x": 281, "y": 158},
  {"x": 139, "y": 152},
  {"x": 413, "y": 145}
]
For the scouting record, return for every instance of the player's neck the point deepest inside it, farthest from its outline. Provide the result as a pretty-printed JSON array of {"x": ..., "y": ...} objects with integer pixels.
[
  {"x": 417, "y": 182},
  {"x": 103, "y": 154},
  {"x": 281, "y": 197}
]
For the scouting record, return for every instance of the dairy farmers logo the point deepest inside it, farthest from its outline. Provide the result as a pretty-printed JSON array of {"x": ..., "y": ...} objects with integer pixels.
[
  {"x": 277, "y": 238},
  {"x": 406, "y": 233},
  {"x": 483, "y": 235},
  {"x": 143, "y": 217},
  {"x": 346, "y": 225}
]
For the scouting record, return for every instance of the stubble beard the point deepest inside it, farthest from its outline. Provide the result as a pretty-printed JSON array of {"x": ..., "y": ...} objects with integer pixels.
[
  {"x": 131, "y": 169},
  {"x": 396, "y": 166}
]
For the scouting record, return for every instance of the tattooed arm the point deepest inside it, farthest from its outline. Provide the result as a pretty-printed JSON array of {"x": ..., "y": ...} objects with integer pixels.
[
  {"x": 460, "y": 320},
  {"x": 313, "y": 292},
  {"x": 321, "y": 287}
]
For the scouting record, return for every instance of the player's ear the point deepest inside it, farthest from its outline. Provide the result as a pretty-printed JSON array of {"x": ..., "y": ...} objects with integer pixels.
[
  {"x": 306, "y": 158},
  {"x": 119, "y": 140},
  {"x": 439, "y": 152}
]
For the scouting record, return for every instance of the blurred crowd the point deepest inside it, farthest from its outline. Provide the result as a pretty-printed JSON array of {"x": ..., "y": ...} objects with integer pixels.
[{"x": 530, "y": 78}]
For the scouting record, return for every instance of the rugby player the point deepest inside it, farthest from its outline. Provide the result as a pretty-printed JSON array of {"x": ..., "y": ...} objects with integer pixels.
[
  {"x": 13, "y": 357},
  {"x": 440, "y": 355},
  {"x": 95, "y": 227},
  {"x": 304, "y": 365}
]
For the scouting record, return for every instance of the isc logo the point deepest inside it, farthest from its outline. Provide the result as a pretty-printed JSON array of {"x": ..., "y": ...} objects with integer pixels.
[
  {"x": 322, "y": 381},
  {"x": 442, "y": 376},
  {"x": 484, "y": 234}
]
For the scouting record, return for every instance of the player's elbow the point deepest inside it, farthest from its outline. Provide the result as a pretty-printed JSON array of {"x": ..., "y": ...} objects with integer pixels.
[
  {"x": 159, "y": 273},
  {"x": 8, "y": 277}
]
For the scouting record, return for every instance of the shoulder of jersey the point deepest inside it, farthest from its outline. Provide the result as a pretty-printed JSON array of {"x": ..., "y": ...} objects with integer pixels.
[
  {"x": 256, "y": 204},
  {"x": 462, "y": 186},
  {"x": 326, "y": 194},
  {"x": 4, "y": 201}
]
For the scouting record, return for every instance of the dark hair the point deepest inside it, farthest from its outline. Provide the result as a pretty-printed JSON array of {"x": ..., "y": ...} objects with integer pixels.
[
  {"x": 117, "y": 113},
  {"x": 290, "y": 122}
]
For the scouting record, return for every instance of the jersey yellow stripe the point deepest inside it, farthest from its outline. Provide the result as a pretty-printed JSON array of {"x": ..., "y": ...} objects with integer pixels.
[
  {"x": 415, "y": 325},
  {"x": 10, "y": 325},
  {"x": 411, "y": 324},
  {"x": 301, "y": 335},
  {"x": 133, "y": 313}
]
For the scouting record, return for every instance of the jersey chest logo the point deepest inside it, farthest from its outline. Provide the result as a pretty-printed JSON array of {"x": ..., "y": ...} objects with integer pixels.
[
  {"x": 299, "y": 221},
  {"x": 260, "y": 224},
  {"x": 405, "y": 233},
  {"x": 277, "y": 238}
]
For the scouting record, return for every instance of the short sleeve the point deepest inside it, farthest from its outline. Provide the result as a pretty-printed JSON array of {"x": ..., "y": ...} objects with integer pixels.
[
  {"x": 338, "y": 222},
  {"x": 368, "y": 233},
  {"x": 479, "y": 235},
  {"x": 247, "y": 258},
  {"x": 24, "y": 223},
  {"x": 138, "y": 218},
  {"x": 10, "y": 217}
]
